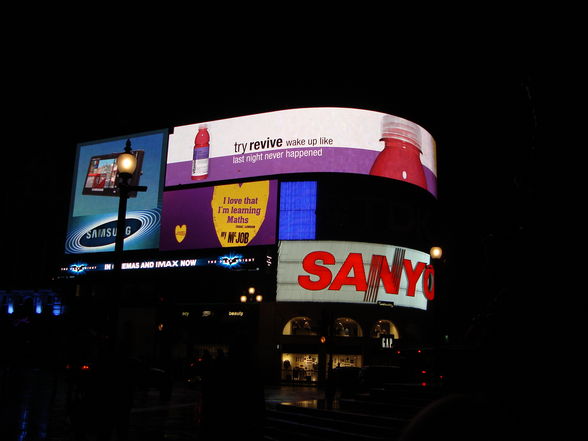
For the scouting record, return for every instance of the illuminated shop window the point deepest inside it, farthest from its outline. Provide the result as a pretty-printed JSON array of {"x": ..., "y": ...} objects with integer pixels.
[
  {"x": 346, "y": 360},
  {"x": 347, "y": 327},
  {"x": 298, "y": 210},
  {"x": 299, "y": 326},
  {"x": 384, "y": 327},
  {"x": 300, "y": 368}
]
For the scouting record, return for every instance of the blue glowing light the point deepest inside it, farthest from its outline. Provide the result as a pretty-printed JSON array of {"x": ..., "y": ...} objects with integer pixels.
[
  {"x": 78, "y": 268},
  {"x": 56, "y": 308},
  {"x": 298, "y": 210},
  {"x": 230, "y": 261}
]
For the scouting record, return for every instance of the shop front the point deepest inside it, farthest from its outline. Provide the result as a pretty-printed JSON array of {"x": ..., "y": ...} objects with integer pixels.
[
  {"x": 303, "y": 368},
  {"x": 334, "y": 336},
  {"x": 300, "y": 368}
]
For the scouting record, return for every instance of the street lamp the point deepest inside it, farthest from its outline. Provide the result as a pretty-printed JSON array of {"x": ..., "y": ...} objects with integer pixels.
[
  {"x": 436, "y": 252},
  {"x": 251, "y": 296},
  {"x": 126, "y": 164}
]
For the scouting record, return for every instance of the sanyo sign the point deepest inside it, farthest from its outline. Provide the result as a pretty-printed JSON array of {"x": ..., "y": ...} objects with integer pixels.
[{"x": 356, "y": 272}]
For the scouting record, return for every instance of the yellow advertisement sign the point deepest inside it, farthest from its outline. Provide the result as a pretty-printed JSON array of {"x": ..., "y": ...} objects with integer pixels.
[{"x": 238, "y": 211}]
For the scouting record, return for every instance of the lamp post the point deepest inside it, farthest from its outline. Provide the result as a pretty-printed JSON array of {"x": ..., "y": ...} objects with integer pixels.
[{"x": 126, "y": 164}]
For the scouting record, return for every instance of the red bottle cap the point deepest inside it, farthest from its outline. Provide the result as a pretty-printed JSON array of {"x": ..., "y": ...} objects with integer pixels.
[{"x": 202, "y": 137}]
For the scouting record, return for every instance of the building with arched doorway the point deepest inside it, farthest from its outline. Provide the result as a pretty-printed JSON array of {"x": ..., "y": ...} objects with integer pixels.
[{"x": 309, "y": 339}]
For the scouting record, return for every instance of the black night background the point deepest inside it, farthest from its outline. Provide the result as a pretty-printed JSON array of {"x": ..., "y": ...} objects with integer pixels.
[
  {"x": 488, "y": 113},
  {"x": 487, "y": 119}
]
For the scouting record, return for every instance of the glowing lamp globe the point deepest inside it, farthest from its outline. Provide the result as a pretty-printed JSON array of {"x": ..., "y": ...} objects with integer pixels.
[
  {"x": 126, "y": 163},
  {"x": 436, "y": 252}
]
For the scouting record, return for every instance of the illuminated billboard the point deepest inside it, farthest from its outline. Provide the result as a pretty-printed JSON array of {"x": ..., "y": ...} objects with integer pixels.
[
  {"x": 232, "y": 215},
  {"x": 304, "y": 140},
  {"x": 94, "y": 200},
  {"x": 231, "y": 260},
  {"x": 354, "y": 272}
]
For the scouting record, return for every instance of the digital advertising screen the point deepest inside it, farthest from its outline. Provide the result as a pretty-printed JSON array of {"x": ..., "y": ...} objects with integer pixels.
[
  {"x": 232, "y": 215},
  {"x": 94, "y": 200},
  {"x": 101, "y": 178},
  {"x": 354, "y": 272},
  {"x": 306, "y": 140}
]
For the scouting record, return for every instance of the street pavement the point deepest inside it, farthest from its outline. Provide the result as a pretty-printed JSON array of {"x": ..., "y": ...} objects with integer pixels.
[{"x": 34, "y": 408}]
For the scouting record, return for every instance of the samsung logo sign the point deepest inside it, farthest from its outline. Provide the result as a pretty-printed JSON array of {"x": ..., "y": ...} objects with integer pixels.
[
  {"x": 99, "y": 234},
  {"x": 105, "y": 234}
]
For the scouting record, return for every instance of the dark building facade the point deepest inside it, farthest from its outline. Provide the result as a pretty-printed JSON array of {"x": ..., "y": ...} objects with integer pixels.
[{"x": 173, "y": 306}]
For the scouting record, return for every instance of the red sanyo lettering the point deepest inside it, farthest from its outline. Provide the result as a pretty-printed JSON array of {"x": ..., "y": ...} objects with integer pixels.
[
  {"x": 310, "y": 266},
  {"x": 429, "y": 282},
  {"x": 352, "y": 273},
  {"x": 412, "y": 275},
  {"x": 353, "y": 262}
]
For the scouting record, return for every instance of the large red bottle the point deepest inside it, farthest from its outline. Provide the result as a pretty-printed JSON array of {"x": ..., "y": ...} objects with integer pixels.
[
  {"x": 201, "y": 152},
  {"x": 401, "y": 157}
]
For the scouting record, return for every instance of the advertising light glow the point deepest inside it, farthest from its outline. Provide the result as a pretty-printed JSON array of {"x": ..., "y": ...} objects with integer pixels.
[
  {"x": 230, "y": 260},
  {"x": 304, "y": 140},
  {"x": 94, "y": 202},
  {"x": 356, "y": 272},
  {"x": 98, "y": 233},
  {"x": 298, "y": 210},
  {"x": 234, "y": 215}
]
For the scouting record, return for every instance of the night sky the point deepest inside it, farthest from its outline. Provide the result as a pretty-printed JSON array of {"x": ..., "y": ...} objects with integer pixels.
[{"x": 485, "y": 113}]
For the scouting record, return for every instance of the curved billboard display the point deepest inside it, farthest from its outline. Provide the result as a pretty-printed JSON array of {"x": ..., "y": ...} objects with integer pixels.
[
  {"x": 307, "y": 140},
  {"x": 354, "y": 272}
]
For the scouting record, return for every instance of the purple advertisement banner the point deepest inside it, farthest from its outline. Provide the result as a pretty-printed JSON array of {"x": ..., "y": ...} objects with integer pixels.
[
  {"x": 313, "y": 160},
  {"x": 231, "y": 215}
]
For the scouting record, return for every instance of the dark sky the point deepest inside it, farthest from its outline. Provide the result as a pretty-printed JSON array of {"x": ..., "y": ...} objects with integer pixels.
[{"x": 485, "y": 113}]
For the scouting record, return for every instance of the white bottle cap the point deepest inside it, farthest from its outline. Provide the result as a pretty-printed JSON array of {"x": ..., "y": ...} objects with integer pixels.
[{"x": 393, "y": 127}]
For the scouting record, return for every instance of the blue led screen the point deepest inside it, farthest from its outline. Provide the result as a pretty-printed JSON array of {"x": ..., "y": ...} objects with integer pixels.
[{"x": 298, "y": 210}]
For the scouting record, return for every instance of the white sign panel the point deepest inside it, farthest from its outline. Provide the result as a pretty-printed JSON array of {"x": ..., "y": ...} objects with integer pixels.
[
  {"x": 354, "y": 272},
  {"x": 308, "y": 140}
]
